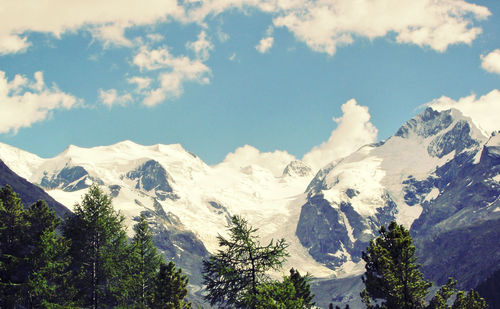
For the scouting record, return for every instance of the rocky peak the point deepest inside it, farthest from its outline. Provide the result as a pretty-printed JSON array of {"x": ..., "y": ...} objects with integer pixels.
[
  {"x": 428, "y": 123},
  {"x": 297, "y": 168}
]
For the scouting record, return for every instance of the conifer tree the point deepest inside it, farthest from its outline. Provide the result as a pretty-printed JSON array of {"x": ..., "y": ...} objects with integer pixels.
[
  {"x": 392, "y": 275},
  {"x": 170, "y": 288},
  {"x": 302, "y": 285},
  {"x": 471, "y": 300},
  {"x": 13, "y": 227},
  {"x": 236, "y": 270},
  {"x": 275, "y": 295},
  {"x": 99, "y": 251},
  {"x": 144, "y": 264},
  {"x": 48, "y": 259}
]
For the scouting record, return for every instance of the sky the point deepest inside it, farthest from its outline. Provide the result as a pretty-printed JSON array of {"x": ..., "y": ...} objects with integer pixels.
[{"x": 254, "y": 80}]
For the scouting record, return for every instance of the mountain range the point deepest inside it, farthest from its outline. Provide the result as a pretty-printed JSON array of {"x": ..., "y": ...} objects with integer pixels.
[{"x": 439, "y": 175}]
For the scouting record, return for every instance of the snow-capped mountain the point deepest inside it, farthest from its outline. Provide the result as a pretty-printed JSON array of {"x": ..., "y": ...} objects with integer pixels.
[
  {"x": 188, "y": 203},
  {"x": 438, "y": 175}
]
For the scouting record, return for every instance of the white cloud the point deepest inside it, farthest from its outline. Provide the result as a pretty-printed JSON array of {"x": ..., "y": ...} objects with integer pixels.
[
  {"x": 491, "y": 62},
  {"x": 265, "y": 45},
  {"x": 110, "y": 97},
  {"x": 24, "y": 102},
  {"x": 483, "y": 111},
  {"x": 232, "y": 57},
  {"x": 173, "y": 72},
  {"x": 18, "y": 17},
  {"x": 354, "y": 130},
  {"x": 242, "y": 157},
  {"x": 325, "y": 25},
  {"x": 112, "y": 34},
  {"x": 201, "y": 47},
  {"x": 141, "y": 82}
]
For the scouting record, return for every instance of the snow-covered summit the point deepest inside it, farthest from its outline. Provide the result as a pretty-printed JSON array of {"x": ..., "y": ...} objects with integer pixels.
[
  {"x": 297, "y": 168},
  {"x": 379, "y": 183}
]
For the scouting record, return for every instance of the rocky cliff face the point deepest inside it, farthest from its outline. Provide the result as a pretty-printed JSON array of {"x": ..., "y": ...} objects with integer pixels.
[{"x": 427, "y": 177}]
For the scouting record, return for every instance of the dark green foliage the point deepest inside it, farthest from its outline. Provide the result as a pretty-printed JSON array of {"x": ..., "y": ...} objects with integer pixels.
[
  {"x": 490, "y": 288},
  {"x": 274, "y": 295},
  {"x": 471, "y": 300},
  {"x": 440, "y": 299},
  {"x": 302, "y": 285},
  {"x": 144, "y": 262},
  {"x": 170, "y": 288},
  {"x": 48, "y": 259},
  {"x": 99, "y": 251},
  {"x": 33, "y": 256},
  {"x": 392, "y": 276},
  {"x": 393, "y": 280},
  {"x": 13, "y": 254},
  {"x": 237, "y": 270}
]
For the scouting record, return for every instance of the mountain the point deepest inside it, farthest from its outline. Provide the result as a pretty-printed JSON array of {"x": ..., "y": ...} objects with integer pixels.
[
  {"x": 438, "y": 175},
  {"x": 28, "y": 192}
]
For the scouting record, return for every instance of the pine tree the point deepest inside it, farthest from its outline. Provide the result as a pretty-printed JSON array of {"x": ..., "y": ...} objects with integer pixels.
[
  {"x": 392, "y": 275},
  {"x": 99, "y": 251},
  {"x": 275, "y": 295},
  {"x": 471, "y": 300},
  {"x": 144, "y": 264},
  {"x": 440, "y": 299},
  {"x": 238, "y": 268},
  {"x": 13, "y": 252},
  {"x": 48, "y": 259},
  {"x": 302, "y": 285},
  {"x": 170, "y": 288}
]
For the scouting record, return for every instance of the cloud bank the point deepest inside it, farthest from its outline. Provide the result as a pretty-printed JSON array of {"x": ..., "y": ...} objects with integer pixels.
[
  {"x": 353, "y": 130},
  {"x": 484, "y": 110},
  {"x": 323, "y": 25},
  {"x": 24, "y": 102}
]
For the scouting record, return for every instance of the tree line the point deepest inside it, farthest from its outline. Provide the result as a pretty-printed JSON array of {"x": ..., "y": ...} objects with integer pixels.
[{"x": 87, "y": 261}]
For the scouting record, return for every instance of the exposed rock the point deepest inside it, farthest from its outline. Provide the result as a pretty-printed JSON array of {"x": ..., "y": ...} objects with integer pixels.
[{"x": 297, "y": 168}]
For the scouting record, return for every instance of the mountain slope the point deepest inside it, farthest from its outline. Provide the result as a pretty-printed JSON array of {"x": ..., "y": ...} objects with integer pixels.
[
  {"x": 28, "y": 192},
  {"x": 438, "y": 175}
]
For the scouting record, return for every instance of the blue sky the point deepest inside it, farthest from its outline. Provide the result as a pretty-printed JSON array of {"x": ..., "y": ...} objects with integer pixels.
[{"x": 217, "y": 75}]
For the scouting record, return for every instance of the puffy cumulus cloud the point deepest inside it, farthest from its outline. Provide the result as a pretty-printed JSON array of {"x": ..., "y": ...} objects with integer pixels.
[
  {"x": 110, "y": 97},
  {"x": 106, "y": 19},
  {"x": 491, "y": 62},
  {"x": 242, "y": 157},
  {"x": 265, "y": 45},
  {"x": 24, "y": 102},
  {"x": 172, "y": 73},
  {"x": 483, "y": 111},
  {"x": 325, "y": 24},
  {"x": 201, "y": 47},
  {"x": 354, "y": 130}
]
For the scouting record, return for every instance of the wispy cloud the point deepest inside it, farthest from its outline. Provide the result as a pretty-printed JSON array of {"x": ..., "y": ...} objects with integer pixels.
[
  {"x": 24, "y": 102},
  {"x": 110, "y": 97},
  {"x": 172, "y": 72}
]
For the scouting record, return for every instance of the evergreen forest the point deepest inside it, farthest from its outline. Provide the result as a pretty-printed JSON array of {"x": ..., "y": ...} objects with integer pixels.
[{"x": 87, "y": 261}]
